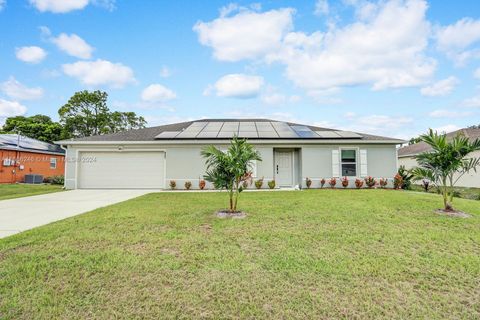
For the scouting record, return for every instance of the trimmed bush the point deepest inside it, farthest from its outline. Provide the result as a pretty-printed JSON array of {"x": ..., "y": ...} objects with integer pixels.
[
  {"x": 259, "y": 183},
  {"x": 322, "y": 182},
  {"x": 383, "y": 182},
  {"x": 344, "y": 182},
  {"x": 308, "y": 182},
  {"x": 397, "y": 181},
  {"x": 332, "y": 182},
  {"x": 188, "y": 185},
  {"x": 370, "y": 182},
  {"x": 358, "y": 183},
  {"x": 173, "y": 184},
  {"x": 202, "y": 184},
  {"x": 271, "y": 184}
]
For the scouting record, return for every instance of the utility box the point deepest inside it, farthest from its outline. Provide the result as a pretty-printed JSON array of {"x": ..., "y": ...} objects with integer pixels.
[{"x": 33, "y": 178}]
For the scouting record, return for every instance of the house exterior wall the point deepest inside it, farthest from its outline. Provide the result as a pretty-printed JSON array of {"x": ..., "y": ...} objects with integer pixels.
[
  {"x": 470, "y": 180},
  {"x": 185, "y": 163},
  {"x": 33, "y": 163}
]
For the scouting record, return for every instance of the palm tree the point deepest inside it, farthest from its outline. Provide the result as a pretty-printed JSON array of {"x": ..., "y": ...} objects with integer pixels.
[
  {"x": 446, "y": 163},
  {"x": 231, "y": 168}
]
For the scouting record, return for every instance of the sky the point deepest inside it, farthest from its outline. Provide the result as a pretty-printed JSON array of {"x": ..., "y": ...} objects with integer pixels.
[{"x": 389, "y": 67}]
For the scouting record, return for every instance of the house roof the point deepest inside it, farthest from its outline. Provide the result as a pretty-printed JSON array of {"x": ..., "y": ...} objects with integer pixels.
[
  {"x": 21, "y": 143},
  {"x": 221, "y": 129},
  {"x": 417, "y": 148}
]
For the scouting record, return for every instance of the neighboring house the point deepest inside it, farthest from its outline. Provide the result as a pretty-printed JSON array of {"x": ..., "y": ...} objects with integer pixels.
[
  {"x": 21, "y": 155},
  {"x": 151, "y": 157},
  {"x": 406, "y": 156}
]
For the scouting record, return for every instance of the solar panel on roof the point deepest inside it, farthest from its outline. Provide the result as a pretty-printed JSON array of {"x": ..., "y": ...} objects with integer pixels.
[
  {"x": 207, "y": 134},
  {"x": 167, "y": 134},
  {"x": 328, "y": 134},
  {"x": 230, "y": 125},
  {"x": 348, "y": 134},
  {"x": 248, "y": 134},
  {"x": 212, "y": 126},
  {"x": 226, "y": 134},
  {"x": 198, "y": 124},
  {"x": 267, "y": 134},
  {"x": 187, "y": 134},
  {"x": 287, "y": 134}
]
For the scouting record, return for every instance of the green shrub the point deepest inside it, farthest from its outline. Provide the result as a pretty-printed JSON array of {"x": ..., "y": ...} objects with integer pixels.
[
  {"x": 60, "y": 180},
  {"x": 407, "y": 177},
  {"x": 271, "y": 184},
  {"x": 259, "y": 183}
]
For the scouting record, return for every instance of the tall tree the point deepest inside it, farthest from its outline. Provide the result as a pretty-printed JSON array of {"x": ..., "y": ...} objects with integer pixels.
[
  {"x": 122, "y": 121},
  {"x": 230, "y": 168},
  {"x": 86, "y": 113},
  {"x": 38, "y": 127},
  {"x": 446, "y": 163}
]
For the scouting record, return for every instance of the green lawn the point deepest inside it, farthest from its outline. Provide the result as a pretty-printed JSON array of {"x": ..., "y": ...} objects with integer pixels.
[
  {"x": 315, "y": 254},
  {"x": 10, "y": 191}
]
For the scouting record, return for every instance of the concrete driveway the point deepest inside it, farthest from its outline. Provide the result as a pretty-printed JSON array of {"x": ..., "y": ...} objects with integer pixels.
[{"x": 17, "y": 215}]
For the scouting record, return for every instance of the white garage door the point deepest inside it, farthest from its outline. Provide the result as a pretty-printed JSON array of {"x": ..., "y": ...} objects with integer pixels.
[{"x": 121, "y": 170}]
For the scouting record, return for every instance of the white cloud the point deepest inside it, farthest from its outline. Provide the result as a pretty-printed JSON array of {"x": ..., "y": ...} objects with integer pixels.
[
  {"x": 100, "y": 72},
  {"x": 2, "y": 4},
  {"x": 165, "y": 72},
  {"x": 456, "y": 39},
  {"x": 440, "y": 88},
  {"x": 18, "y": 91},
  {"x": 10, "y": 109},
  {"x": 476, "y": 74},
  {"x": 321, "y": 7},
  {"x": 73, "y": 45},
  {"x": 157, "y": 93},
  {"x": 237, "y": 86},
  {"x": 441, "y": 113},
  {"x": 473, "y": 102},
  {"x": 64, "y": 6},
  {"x": 246, "y": 35},
  {"x": 447, "y": 128},
  {"x": 59, "y": 6},
  {"x": 30, "y": 54},
  {"x": 378, "y": 51}
]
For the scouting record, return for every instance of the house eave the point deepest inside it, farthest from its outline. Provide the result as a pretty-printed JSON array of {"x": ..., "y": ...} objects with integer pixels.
[{"x": 223, "y": 141}]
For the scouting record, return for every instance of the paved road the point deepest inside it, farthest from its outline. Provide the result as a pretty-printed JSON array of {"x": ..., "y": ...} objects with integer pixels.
[{"x": 17, "y": 215}]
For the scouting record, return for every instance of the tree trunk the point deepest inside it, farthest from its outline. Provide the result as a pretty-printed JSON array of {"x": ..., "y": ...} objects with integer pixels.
[
  {"x": 236, "y": 195},
  {"x": 230, "y": 194}
]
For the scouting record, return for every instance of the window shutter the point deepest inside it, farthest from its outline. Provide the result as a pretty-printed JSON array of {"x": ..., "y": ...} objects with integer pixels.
[
  {"x": 363, "y": 163},
  {"x": 335, "y": 163}
]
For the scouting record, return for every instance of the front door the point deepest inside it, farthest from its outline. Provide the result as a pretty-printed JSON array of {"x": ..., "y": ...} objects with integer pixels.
[{"x": 284, "y": 168}]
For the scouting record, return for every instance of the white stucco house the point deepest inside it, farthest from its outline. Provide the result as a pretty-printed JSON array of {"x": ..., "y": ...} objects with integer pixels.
[
  {"x": 151, "y": 157},
  {"x": 406, "y": 156}
]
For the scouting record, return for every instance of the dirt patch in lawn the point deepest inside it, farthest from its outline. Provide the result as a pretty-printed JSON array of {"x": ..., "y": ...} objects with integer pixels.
[
  {"x": 453, "y": 213},
  {"x": 228, "y": 214}
]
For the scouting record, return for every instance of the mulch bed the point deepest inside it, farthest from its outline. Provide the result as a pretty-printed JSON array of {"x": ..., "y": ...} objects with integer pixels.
[
  {"x": 453, "y": 213},
  {"x": 234, "y": 215}
]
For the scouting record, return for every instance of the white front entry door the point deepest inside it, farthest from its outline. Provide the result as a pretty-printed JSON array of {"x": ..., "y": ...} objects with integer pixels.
[{"x": 284, "y": 168}]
